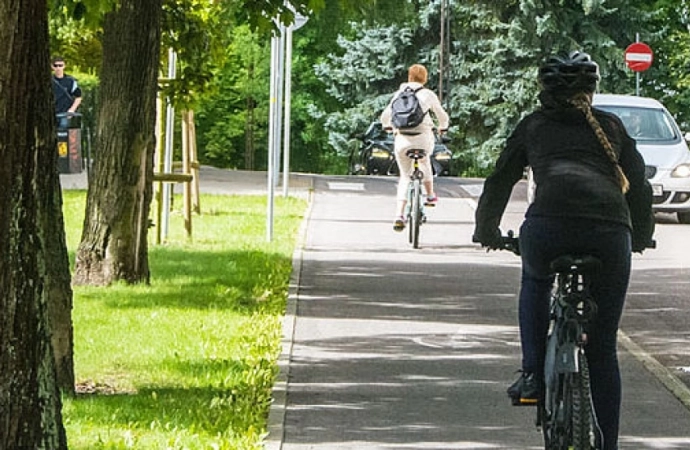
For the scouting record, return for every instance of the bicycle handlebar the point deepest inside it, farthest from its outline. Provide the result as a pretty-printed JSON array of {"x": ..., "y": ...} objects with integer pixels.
[
  {"x": 439, "y": 131},
  {"x": 68, "y": 114},
  {"x": 508, "y": 242},
  {"x": 511, "y": 243}
]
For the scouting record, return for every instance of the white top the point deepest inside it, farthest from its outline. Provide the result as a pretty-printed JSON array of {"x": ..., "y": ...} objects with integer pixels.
[{"x": 429, "y": 101}]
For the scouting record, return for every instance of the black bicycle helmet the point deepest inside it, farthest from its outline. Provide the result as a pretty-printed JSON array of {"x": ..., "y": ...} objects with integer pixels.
[{"x": 570, "y": 73}]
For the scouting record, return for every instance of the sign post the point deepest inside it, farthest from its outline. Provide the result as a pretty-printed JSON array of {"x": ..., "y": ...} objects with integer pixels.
[
  {"x": 300, "y": 20},
  {"x": 638, "y": 58},
  {"x": 280, "y": 78}
]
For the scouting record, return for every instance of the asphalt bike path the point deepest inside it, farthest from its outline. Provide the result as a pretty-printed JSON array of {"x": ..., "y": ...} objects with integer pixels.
[{"x": 387, "y": 347}]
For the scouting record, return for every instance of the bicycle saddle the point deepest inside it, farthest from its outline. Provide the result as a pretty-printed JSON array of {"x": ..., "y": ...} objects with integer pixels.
[
  {"x": 572, "y": 263},
  {"x": 417, "y": 153}
]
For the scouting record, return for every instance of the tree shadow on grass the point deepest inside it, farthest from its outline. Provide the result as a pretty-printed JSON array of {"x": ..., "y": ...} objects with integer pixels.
[
  {"x": 243, "y": 281},
  {"x": 234, "y": 400}
]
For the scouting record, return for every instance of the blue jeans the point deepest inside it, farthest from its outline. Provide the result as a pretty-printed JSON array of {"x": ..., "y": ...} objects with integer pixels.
[{"x": 542, "y": 239}]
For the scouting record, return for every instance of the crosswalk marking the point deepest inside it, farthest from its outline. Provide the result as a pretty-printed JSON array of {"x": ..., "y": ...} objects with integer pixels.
[{"x": 340, "y": 186}]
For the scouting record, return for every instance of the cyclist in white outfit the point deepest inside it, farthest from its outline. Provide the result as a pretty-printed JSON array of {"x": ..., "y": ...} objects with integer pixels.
[{"x": 420, "y": 137}]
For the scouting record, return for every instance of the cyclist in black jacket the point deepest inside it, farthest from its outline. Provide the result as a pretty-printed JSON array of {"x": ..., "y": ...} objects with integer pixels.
[{"x": 591, "y": 197}]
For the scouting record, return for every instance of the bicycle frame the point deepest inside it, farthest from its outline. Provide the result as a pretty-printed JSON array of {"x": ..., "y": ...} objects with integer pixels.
[
  {"x": 415, "y": 209},
  {"x": 566, "y": 414}
]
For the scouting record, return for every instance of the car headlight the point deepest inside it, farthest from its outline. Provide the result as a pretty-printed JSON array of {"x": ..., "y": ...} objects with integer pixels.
[
  {"x": 380, "y": 154},
  {"x": 442, "y": 156},
  {"x": 681, "y": 171}
]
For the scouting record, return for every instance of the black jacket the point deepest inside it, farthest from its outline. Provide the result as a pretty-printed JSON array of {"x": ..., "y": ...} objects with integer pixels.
[
  {"x": 573, "y": 174},
  {"x": 65, "y": 90}
]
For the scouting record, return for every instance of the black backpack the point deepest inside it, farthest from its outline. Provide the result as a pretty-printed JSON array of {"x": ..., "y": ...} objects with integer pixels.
[{"x": 406, "y": 111}]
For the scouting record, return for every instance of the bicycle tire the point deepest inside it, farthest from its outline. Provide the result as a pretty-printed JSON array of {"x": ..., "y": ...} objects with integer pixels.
[
  {"x": 555, "y": 414},
  {"x": 410, "y": 209},
  {"x": 583, "y": 424},
  {"x": 416, "y": 213},
  {"x": 568, "y": 418}
]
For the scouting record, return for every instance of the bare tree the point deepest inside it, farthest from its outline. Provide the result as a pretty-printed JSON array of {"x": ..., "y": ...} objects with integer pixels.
[{"x": 30, "y": 407}]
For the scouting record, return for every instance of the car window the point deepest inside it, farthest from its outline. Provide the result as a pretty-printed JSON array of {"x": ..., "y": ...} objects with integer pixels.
[{"x": 645, "y": 124}]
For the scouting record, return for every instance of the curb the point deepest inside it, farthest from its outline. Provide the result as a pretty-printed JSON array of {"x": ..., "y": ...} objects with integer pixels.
[
  {"x": 662, "y": 373},
  {"x": 671, "y": 382},
  {"x": 276, "y": 415}
]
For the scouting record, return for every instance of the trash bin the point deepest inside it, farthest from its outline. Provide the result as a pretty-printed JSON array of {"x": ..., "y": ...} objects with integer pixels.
[{"x": 69, "y": 142}]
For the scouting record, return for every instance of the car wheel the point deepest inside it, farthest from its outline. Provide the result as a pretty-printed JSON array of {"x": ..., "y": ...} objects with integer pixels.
[
  {"x": 683, "y": 217},
  {"x": 436, "y": 167},
  {"x": 393, "y": 169}
]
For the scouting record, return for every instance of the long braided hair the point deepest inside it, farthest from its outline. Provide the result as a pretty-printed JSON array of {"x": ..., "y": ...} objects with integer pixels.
[
  {"x": 573, "y": 77},
  {"x": 582, "y": 102}
]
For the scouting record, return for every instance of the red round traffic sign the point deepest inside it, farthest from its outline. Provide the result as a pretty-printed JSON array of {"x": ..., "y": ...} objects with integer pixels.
[{"x": 639, "y": 56}]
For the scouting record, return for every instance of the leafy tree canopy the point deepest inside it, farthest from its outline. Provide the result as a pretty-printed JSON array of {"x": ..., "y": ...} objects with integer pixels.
[{"x": 496, "y": 48}]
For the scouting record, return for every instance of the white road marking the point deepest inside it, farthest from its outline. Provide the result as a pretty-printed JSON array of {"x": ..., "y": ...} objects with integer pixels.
[{"x": 340, "y": 186}]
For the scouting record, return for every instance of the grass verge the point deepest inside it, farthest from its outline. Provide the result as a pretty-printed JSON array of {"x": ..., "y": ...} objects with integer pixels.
[{"x": 187, "y": 362}]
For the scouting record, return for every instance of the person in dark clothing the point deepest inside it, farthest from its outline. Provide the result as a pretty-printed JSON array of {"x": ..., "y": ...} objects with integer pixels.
[
  {"x": 591, "y": 197},
  {"x": 65, "y": 88}
]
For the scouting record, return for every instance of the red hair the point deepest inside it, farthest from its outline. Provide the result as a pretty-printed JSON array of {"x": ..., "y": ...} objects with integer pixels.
[{"x": 418, "y": 73}]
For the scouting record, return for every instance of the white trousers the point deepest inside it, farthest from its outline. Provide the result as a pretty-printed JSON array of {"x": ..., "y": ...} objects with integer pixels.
[{"x": 404, "y": 142}]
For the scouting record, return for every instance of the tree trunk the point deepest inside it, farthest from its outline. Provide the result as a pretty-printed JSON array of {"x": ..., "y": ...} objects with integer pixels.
[
  {"x": 249, "y": 135},
  {"x": 30, "y": 407},
  {"x": 58, "y": 290},
  {"x": 114, "y": 242}
]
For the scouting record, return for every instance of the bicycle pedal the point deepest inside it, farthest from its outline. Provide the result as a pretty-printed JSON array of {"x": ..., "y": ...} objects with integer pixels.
[{"x": 518, "y": 401}]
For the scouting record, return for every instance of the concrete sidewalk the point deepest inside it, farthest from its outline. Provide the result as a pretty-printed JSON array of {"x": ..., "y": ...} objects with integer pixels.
[
  {"x": 220, "y": 181},
  {"x": 387, "y": 347}
]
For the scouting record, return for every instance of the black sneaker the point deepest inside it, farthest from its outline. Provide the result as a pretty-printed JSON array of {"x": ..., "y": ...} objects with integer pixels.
[{"x": 526, "y": 390}]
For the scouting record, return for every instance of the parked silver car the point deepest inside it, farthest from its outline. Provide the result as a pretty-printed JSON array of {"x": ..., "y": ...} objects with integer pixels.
[{"x": 662, "y": 146}]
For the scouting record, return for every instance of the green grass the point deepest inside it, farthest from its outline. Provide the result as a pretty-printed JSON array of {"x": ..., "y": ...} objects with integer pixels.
[{"x": 187, "y": 362}]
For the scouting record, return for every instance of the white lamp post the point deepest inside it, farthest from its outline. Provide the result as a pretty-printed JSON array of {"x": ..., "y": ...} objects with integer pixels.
[{"x": 281, "y": 65}]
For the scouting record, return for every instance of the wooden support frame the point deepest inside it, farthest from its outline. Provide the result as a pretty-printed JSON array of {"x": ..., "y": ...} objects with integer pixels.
[{"x": 189, "y": 175}]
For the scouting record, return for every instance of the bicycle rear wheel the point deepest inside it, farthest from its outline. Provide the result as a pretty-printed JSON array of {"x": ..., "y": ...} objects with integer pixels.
[
  {"x": 584, "y": 423},
  {"x": 415, "y": 213},
  {"x": 567, "y": 415},
  {"x": 556, "y": 414}
]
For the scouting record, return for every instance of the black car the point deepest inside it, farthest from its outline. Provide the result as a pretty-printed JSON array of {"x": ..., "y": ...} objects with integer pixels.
[{"x": 375, "y": 154}]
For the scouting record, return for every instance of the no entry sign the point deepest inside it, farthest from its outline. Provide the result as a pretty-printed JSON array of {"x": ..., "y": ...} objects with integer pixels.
[{"x": 639, "y": 56}]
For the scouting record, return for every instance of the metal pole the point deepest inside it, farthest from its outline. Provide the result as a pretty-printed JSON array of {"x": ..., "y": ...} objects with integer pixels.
[
  {"x": 168, "y": 154},
  {"x": 288, "y": 102},
  {"x": 637, "y": 74},
  {"x": 279, "y": 102},
  {"x": 448, "y": 78},
  {"x": 271, "y": 136},
  {"x": 441, "y": 55}
]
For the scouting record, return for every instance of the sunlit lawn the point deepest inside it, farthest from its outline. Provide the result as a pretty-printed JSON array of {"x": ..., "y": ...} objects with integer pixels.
[{"x": 188, "y": 361}]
